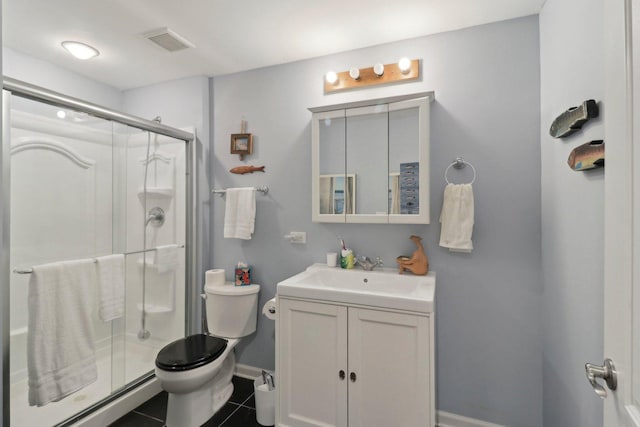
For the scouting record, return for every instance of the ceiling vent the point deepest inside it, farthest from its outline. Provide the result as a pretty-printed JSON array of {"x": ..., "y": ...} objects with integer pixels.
[{"x": 168, "y": 40}]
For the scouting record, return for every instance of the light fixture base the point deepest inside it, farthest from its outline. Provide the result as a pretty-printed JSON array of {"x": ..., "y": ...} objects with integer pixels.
[{"x": 367, "y": 77}]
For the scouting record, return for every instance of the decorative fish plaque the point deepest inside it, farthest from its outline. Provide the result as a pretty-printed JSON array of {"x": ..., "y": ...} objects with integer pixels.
[
  {"x": 587, "y": 156},
  {"x": 572, "y": 120},
  {"x": 247, "y": 169}
]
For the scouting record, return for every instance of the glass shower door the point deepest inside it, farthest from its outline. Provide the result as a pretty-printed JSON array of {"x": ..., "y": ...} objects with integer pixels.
[
  {"x": 155, "y": 221},
  {"x": 61, "y": 209},
  {"x": 81, "y": 188}
]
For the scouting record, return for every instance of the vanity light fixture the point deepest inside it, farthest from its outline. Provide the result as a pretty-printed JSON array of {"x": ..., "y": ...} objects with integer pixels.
[
  {"x": 404, "y": 65},
  {"x": 331, "y": 77},
  {"x": 80, "y": 50},
  {"x": 404, "y": 70}
]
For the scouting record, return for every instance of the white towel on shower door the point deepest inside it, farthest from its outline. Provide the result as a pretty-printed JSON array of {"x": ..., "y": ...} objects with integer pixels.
[
  {"x": 240, "y": 213},
  {"x": 111, "y": 286},
  {"x": 60, "y": 340},
  {"x": 166, "y": 258},
  {"x": 457, "y": 218}
]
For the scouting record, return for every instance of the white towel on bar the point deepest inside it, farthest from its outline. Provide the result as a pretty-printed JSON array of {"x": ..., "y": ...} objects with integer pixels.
[
  {"x": 166, "y": 258},
  {"x": 239, "y": 213},
  {"x": 111, "y": 287},
  {"x": 60, "y": 340},
  {"x": 457, "y": 218}
]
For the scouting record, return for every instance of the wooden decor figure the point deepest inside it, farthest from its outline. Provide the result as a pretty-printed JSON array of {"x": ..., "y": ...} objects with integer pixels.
[{"x": 418, "y": 264}]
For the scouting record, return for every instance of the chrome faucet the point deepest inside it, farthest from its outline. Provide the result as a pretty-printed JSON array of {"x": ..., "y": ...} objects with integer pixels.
[{"x": 367, "y": 264}]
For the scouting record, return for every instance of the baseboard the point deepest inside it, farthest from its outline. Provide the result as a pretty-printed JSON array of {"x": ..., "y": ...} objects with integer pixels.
[
  {"x": 447, "y": 419},
  {"x": 444, "y": 419},
  {"x": 248, "y": 372}
]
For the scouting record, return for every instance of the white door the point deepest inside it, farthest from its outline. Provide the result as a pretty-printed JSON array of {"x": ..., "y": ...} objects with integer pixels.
[
  {"x": 311, "y": 364},
  {"x": 390, "y": 358},
  {"x": 622, "y": 211}
]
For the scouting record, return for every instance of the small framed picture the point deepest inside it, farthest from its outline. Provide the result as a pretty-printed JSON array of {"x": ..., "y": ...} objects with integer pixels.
[{"x": 241, "y": 143}]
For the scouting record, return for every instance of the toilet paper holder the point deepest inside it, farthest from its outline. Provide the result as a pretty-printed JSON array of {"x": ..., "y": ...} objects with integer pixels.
[{"x": 269, "y": 309}]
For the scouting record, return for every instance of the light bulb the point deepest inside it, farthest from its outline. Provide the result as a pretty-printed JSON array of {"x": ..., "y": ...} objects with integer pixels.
[
  {"x": 405, "y": 65},
  {"x": 378, "y": 69},
  {"x": 80, "y": 50},
  {"x": 331, "y": 77},
  {"x": 354, "y": 73},
  {"x": 61, "y": 114}
]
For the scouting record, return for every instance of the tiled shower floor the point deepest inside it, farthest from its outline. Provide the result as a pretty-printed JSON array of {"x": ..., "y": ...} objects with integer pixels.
[{"x": 240, "y": 410}]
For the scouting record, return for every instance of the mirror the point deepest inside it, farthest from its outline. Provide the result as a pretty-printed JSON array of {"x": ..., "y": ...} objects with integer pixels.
[
  {"x": 371, "y": 161},
  {"x": 336, "y": 197}
]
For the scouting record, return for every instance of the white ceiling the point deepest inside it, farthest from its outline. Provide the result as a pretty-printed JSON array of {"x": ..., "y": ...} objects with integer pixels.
[{"x": 229, "y": 35}]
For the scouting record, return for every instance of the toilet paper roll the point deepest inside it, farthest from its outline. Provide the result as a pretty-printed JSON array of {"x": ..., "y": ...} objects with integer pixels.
[
  {"x": 269, "y": 309},
  {"x": 215, "y": 277}
]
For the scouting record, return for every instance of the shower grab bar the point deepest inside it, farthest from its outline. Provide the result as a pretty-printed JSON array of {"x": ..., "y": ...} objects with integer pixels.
[
  {"x": 30, "y": 270},
  {"x": 263, "y": 189}
]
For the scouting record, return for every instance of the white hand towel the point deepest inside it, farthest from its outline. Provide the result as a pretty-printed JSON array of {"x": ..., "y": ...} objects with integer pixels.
[
  {"x": 240, "y": 213},
  {"x": 166, "y": 258},
  {"x": 60, "y": 340},
  {"x": 457, "y": 218},
  {"x": 111, "y": 287}
]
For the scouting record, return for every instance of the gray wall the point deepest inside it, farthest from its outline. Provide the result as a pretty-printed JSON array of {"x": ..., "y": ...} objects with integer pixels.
[
  {"x": 572, "y": 215},
  {"x": 487, "y": 109},
  {"x": 42, "y": 73}
]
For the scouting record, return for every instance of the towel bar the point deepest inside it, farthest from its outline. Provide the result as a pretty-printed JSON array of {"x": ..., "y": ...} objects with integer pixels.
[
  {"x": 263, "y": 189},
  {"x": 30, "y": 270}
]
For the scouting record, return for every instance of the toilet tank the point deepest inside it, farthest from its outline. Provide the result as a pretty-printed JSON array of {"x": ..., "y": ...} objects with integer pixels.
[{"x": 232, "y": 311}]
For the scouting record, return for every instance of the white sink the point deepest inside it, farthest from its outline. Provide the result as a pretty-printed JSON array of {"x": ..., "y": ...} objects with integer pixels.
[{"x": 378, "y": 288}]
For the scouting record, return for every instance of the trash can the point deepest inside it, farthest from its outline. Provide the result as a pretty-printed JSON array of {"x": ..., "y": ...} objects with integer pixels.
[{"x": 265, "y": 402}]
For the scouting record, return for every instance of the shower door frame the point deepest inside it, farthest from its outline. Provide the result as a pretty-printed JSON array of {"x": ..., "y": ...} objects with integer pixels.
[{"x": 14, "y": 87}]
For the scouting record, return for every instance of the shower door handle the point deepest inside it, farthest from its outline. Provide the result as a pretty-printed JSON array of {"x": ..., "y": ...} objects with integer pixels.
[{"x": 607, "y": 372}]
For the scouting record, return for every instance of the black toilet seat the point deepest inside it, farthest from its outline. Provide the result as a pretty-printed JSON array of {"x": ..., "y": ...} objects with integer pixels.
[{"x": 190, "y": 352}]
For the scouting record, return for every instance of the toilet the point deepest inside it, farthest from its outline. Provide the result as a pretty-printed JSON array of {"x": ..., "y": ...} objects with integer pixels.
[{"x": 196, "y": 371}]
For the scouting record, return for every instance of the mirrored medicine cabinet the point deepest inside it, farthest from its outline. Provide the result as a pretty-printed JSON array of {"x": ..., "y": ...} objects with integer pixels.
[{"x": 371, "y": 161}]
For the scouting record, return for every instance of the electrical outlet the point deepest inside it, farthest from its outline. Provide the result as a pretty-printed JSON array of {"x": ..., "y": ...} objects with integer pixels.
[{"x": 297, "y": 237}]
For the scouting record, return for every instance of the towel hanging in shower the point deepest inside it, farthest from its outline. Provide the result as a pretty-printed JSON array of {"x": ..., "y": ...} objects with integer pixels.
[{"x": 61, "y": 356}]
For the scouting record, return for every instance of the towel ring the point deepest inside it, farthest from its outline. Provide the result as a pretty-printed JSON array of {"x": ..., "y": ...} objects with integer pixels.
[{"x": 459, "y": 163}]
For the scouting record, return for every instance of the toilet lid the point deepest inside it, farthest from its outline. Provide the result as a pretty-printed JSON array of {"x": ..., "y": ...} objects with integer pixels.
[{"x": 190, "y": 352}]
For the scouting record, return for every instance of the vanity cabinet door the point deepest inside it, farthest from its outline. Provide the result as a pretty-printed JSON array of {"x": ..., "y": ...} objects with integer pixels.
[
  {"x": 312, "y": 350},
  {"x": 390, "y": 372}
]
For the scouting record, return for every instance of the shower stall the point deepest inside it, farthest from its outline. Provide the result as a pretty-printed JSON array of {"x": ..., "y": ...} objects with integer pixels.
[{"x": 84, "y": 182}]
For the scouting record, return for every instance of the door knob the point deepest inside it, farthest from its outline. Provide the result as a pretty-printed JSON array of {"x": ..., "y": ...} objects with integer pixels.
[
  {"x": 607, "y": 372},
  {"x": 352, "y": 377},
  {"x": 341, "y": 374}
]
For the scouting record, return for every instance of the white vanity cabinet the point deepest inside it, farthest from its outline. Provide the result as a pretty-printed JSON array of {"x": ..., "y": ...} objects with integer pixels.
[{"x": 348, "y": 365}]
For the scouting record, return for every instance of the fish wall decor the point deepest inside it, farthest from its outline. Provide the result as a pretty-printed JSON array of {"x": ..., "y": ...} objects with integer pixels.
[
  {"x": 241, "y": 170},
  {"x": 587, "y": 156},
  {"x": 572, "y": 120}
]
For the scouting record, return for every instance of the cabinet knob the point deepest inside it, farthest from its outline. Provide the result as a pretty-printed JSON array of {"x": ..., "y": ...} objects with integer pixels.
[
  {"x": 341, "y": 374},
  {"x": 352, "y": 376}
]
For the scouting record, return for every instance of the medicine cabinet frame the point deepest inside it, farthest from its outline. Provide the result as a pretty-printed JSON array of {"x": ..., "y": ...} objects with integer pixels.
[{"x": 421, "y": 101}]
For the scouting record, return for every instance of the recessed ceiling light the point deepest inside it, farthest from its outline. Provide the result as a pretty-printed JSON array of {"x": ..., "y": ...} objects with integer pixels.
[
  {"x": 80, "y": 50},
  {"x": 61, "y": 114}
]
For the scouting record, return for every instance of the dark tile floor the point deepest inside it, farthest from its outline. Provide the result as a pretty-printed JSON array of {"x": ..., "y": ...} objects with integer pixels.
[{"x": 240, "y": 410}]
